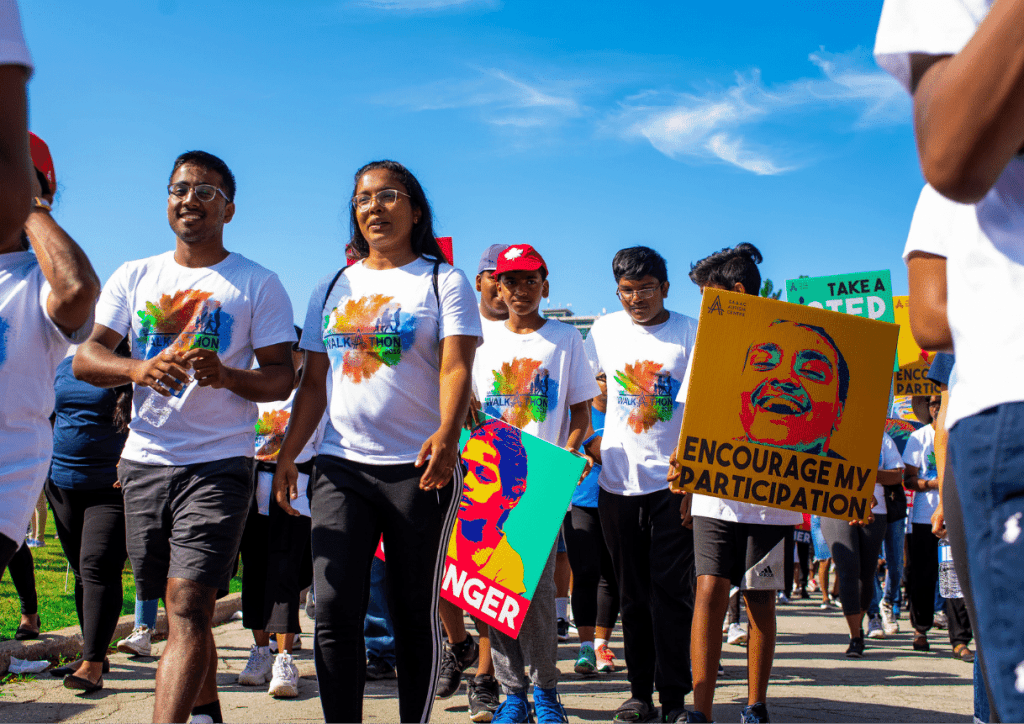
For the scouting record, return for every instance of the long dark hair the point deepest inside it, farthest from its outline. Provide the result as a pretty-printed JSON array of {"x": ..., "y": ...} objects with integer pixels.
[
  {"x": 123, "y": 402},
  {"x": 424, "y": 243}
]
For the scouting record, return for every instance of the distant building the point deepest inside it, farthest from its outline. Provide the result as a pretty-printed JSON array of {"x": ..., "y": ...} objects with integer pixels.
[{"x": 582, "y": 322}]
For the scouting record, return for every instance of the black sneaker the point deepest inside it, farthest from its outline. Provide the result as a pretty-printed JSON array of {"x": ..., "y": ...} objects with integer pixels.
[
  {"x": 455, "y": 658},
  {"x": 855, "y": 649},
  {"x": 483, "y": 697},
  {"x": 377, "y": 669},
  {"x": 563, "y": 630},
  {"x": 635, "y": 710},
  {"x": 758, "y": 713}
]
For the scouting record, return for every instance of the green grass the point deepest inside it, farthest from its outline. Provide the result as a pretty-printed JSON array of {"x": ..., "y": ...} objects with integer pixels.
[{"x": 57, "y": 605}]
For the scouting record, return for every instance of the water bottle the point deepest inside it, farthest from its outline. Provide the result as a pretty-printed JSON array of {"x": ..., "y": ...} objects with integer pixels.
[
  {"x": 157, "y": 409},
  {"x": 949, "y": 584}
]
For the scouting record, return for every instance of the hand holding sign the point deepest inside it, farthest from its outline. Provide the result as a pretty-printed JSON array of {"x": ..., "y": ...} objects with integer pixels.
[{"x": 785, "y": 406}]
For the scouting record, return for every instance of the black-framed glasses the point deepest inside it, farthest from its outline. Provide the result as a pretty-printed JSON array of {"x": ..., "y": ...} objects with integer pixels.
[
  {"x": 640, "y": 294},
  {"x": 385, "y": 197},
  {"x": 204, "y": 192}
]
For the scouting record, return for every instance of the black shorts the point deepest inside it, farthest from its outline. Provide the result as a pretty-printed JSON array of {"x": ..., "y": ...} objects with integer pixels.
[
  {"x": 750, "y": 555},
  {"x": 185, "y": 522}
]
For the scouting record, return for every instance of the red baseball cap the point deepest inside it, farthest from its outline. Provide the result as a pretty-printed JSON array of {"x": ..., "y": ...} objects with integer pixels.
[
  {"x": 42, "y": 160},
  {"x": 519, "y": 257}
]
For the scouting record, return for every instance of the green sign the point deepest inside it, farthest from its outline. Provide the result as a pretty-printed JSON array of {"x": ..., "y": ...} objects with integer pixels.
[
  {"x": 514, "y": 496},
  {"x": 864, "y": 294}
]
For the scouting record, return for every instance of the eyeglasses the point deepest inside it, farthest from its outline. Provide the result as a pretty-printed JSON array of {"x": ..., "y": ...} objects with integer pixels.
[
  {"x": 639, "y": 294},
  {"x": 204, "y": 192},
  {"x": 386, "y": 198}
]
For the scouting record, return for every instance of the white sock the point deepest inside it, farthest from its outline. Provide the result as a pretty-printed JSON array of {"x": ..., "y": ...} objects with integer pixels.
[
  {"x": 598, "y": 643},
  {"x": 562, "y": 608}
]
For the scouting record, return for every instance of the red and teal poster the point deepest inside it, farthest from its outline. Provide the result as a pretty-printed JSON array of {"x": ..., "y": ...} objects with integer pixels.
[{"x": 514, "y": 496}]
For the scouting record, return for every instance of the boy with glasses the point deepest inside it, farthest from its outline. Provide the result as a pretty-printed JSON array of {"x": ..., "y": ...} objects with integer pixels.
[
  {"x": 197, "y": 317},
  {"x": 645, "y": 350}
]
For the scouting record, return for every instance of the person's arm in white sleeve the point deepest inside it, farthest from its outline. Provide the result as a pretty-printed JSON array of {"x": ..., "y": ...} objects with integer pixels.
[{"x": 969, "y": 107}]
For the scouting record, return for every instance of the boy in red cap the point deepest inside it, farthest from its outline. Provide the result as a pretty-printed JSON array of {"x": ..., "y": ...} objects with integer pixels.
[
  {"x": 533, "y": 373},
  {"x": 46, "y": 304}
]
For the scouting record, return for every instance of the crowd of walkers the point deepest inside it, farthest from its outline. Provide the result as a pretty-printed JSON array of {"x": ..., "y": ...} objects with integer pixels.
[{"x": 194, "y": 422}]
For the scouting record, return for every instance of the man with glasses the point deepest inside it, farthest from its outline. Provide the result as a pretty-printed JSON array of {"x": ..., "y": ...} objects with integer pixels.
[
  {"x": 197, "y": 317},
  {"x": 644, "y": 350}
]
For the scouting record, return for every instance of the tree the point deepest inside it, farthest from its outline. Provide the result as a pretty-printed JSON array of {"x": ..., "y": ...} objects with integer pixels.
[{"x": 766, "y": 290}]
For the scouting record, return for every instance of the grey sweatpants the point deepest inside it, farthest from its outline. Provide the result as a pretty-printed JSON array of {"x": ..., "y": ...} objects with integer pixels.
[
  {"x": 537, "y": 644},
  {"x": 855, "y": 550}
]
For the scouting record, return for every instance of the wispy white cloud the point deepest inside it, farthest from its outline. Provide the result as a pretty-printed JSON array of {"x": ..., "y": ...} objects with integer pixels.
[
  {"x": 760, "y": 128},
  {"x": 501, "y": 99},
  {"x": 729, "y": 124},
  {"x": 427, "y": 5}
]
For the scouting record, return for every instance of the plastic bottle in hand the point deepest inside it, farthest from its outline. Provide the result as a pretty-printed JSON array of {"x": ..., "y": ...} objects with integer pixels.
[
  {"x": 949, "y": 584},
  {"x": 157, "y": 409}
]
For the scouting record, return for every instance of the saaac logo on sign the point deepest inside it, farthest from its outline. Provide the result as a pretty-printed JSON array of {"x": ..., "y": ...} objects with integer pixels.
[
  {"x": 786, "y": 406},
  {"x": 515, "y": 493}
]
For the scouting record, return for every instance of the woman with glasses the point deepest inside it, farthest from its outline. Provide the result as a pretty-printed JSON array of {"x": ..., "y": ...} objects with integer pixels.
[{"x": 395, "y": 333}]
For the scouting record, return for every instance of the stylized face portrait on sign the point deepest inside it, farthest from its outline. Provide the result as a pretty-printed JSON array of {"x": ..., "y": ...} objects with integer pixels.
[
  {"x": 495, "y": 478},
  {"x": 794, "y": 385},
  {"x": 514, "y": 495},
  {"x": 785, "y": 405}
]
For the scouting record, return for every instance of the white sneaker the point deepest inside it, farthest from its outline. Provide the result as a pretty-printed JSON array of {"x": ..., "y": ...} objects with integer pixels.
[
  {"x": 201, "y": 719},
  {"x": 737, "y": 635},
  {"x": 285, "y": 684},
  {"x": 138, "y": 642},
  {"x": 782, "y": 598},
  {"x": 875, "y": 630},
  {"x": 258, "y": 668}
]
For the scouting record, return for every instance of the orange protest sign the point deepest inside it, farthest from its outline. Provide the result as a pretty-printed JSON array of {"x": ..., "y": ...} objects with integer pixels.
[
  {"x": 912, "y": 376},
  {"x": 786, "y": 405}
]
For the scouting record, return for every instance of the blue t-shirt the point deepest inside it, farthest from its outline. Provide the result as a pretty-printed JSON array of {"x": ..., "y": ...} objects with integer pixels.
[
  {"x": 585, "y": 494},
  {"x": 86, "y": 445}
]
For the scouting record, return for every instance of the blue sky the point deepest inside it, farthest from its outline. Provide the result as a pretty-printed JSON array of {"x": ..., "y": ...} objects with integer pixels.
[{"x": 578, "y": 127}]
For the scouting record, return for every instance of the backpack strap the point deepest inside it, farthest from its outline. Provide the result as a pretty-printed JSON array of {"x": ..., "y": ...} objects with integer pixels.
[
  {"x": 330, "y": 288},
  {"x": 437, "y": 294}
]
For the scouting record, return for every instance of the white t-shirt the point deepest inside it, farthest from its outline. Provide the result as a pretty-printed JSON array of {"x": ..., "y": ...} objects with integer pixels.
[
  {"x": 13, "y": 50},
  {"x": 888, "y": 459},
  {"x": 381, "y": 331},
  {"x": 530, "y": 380},
  {"x": 985, "y": 265},
  {"x": 920, "y": 452},
  {"x": 233, "y": 307},
  {"x": 645, "y": 367},
  {"x": 31, "y": 347},
  {"x": 271, "y": 425}
]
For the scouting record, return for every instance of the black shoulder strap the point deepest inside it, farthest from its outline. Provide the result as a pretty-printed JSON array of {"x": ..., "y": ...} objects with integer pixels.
[
  {"x": 330, "y": 287},
  {"x": 437, "y": 294}
]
